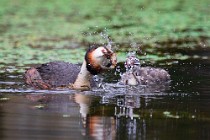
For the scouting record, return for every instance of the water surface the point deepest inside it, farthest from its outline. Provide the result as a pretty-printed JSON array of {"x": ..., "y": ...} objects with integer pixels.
[{"x": 109, "y": 112}]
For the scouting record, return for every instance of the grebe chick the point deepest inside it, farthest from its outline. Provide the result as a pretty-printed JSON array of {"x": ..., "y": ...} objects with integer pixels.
[
  {"x": 63, "y": 74},
  {"x": 137, "y": 75}
]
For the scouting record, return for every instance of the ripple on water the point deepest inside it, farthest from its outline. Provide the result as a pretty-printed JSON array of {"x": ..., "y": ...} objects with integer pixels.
[{"x": 110, "y": 111}]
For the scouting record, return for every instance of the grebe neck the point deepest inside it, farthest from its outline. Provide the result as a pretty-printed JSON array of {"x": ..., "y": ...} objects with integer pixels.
[{"x": 83, "y": 79}]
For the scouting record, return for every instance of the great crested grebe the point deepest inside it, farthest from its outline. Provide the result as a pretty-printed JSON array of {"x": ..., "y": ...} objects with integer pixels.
[
  {"x": 64, "y": 74},
  {"x": 137, "y": 75}
]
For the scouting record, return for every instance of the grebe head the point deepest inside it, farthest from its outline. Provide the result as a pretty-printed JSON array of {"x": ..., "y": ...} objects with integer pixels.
[
  {"x": 99, "y": 58},
  {"x": 131, "y": 62},
  {"x": 132, "y": 65}
]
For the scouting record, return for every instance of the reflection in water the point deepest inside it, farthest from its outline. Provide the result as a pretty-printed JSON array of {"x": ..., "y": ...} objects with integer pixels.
[
  {"x": 124, "y": 110},
  {"x": 84, "y": 102},
  {"x": 20, "y": 120},
  {"x": 124, "y": 119},
  {"x": 126, "y": 106},
  {"x": 182, "y": 112},
  {"x": 102, "y": 128},
  {"x": 134, "y": 116},
  {"x": 110, "y": 113},
  {"x": 98, "y": 127},
  {"x": 94, "y": 123},
  {"x": 100, "y": 116},
  {"x": 91, "y": 126}
]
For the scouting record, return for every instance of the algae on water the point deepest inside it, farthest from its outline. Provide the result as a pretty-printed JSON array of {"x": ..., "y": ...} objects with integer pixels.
[{"x": 40, "y": 31}]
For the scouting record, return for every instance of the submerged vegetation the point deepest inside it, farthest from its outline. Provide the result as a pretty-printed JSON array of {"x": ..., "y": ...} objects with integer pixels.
[{"x": 37, "y": 31}]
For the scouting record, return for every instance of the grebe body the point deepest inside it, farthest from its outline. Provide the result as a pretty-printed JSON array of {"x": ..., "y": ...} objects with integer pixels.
[
  {"x": 64, "y": 74},
  {"x": 137, "y": 75}
]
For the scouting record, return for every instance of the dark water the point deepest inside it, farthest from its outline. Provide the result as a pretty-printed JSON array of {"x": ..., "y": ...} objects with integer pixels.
[{"x": 182, "y": 112}]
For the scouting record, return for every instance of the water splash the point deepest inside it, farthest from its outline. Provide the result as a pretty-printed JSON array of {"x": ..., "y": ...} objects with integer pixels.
[{"x": 107, "y": 39}]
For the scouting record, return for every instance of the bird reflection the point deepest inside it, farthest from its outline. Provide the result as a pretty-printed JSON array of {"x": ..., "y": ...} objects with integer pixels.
[
  {"x": 127, "y": 120},
  {"x": 84, "y": 102},
  {"x": 98, "y": 127},
  {"x": 126, "y": 105},
  {"x": 96, "y": 120},
  {"x": 123, "y": 119}
]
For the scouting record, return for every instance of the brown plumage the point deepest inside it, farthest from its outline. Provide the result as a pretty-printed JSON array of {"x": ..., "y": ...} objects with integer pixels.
[
  {"x": 52, "y": 75},
  {"x": 64, "y": 74}
]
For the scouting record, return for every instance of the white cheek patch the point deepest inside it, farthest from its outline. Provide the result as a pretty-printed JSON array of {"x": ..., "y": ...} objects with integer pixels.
[
  {"x": 98, "y": 52},
  {"x": 98, "y": 56}
]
